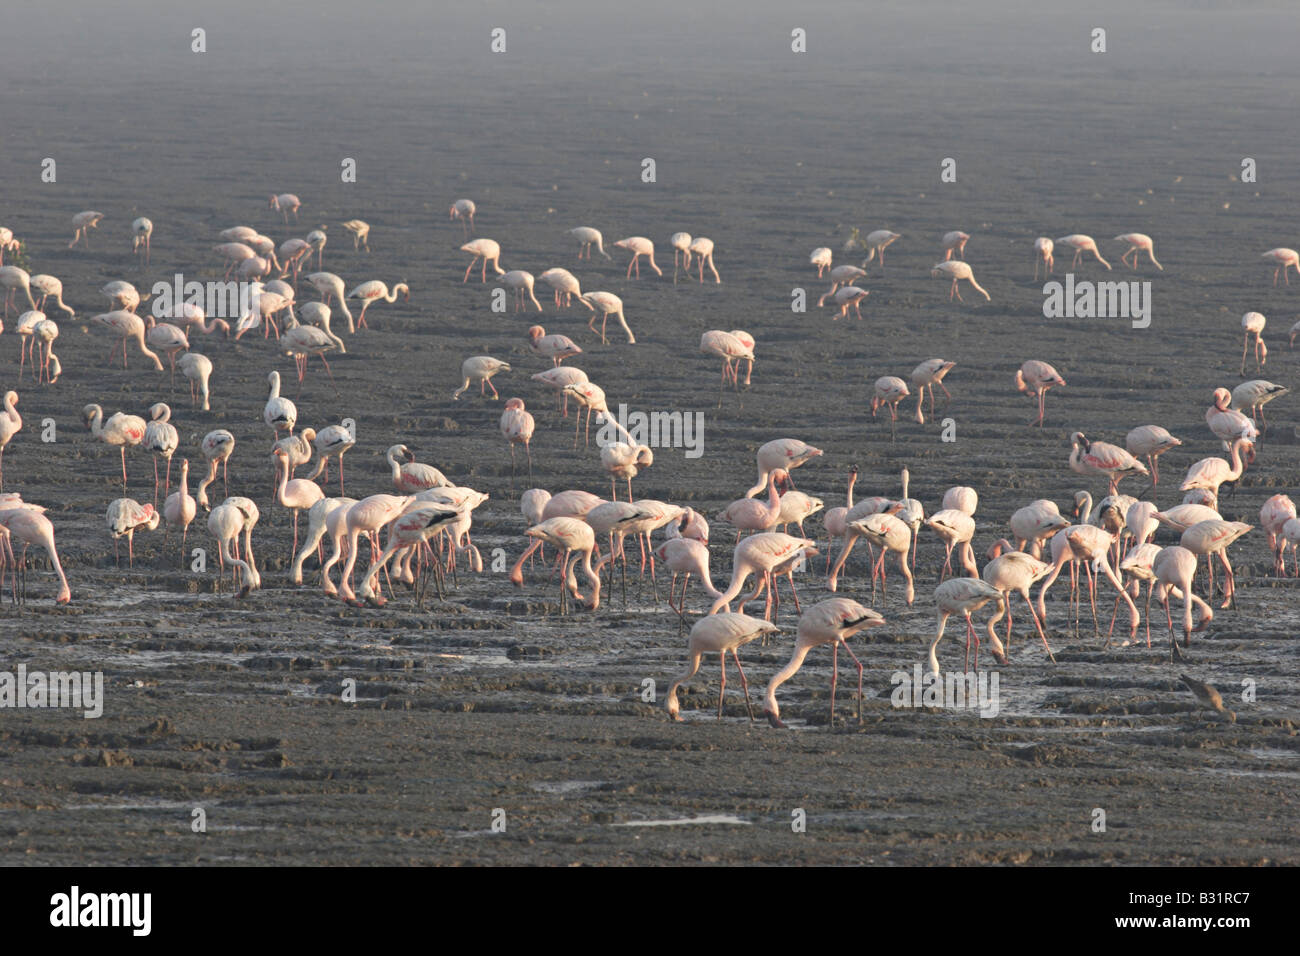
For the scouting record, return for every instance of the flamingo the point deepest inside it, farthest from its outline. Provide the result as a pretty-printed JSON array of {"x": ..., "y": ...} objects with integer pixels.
[
  {"x": 417, "y": 525},
  {"x": 411, "y": 476},
  {"x": 796, "y": 507},
  {"x": 297, "y": 449},
  {"x": 1210, "y": 473},
  {"x": 956, "y": 271},
  {"x": 841, "y": 276},
  {"x": 161, "y": 438},
  {"x": 48, "y": 286},
  {"x": 1252, "y": 323},
  {"x": 517, "y": 427},
  {"x": 586, "y": 237},
  {"x": 760, "y": 554},
  {"x": 719, "y": 634},
  {"x": 360, "y": 231},
  {"x": 1037, "y": 377},
  {"x": 1104, "y": 459},
  {"x": 703, "y": 249},
  {"x": 1283, "y": 259},
  {"x": 849, "y": 296},
  {"x": 564, "y": 284},
  {"x": 890, "y": 390},
  {"x": 957, "y": 529},
  {"x": 683, "y": 557},
  {"x": 927, "y": 375},
  {"x": 1151, "y": 441},
  {"x": 121, "y": 430},
  {"x": 226, "y": 522},
  {"x": 750, "y": 514},
  {"x": 877, "y": 242},
  {"x": 821, "y": 258},
  {"x": 375, "y": 291},
  {"x": 7, "y": 243},
  {"x": 180, "y": 507},
  {"x": 11, "y": 423},
  {"x": 962, "y": 596},
  {"x": 330, "y": 287},
  {"x": 279, "y": 412},
  {"x": 304, "y": 341},
  {"x": 603, "y": 305},
  {"x": 463, "y": 209},
  {"x": 126, "y": 516},
  {"x": 559, "y": 379},
  {"x": 555, "y": 347},
  {"x": 1181, "y": 517},
  {"x": 216, "y": 447},
  {"x": 590, "y": 396},
  {"x": 954, "y": 242},
  {"x": 366, "y": 516},
  {"x": 1213, "y": 537},
  {"x": 1226, "y": 423},
  {"x": 122, "y": 295},
  {"x": 127, "y": 325},
  {"x": 622, "y": 459},
  {"x": 1255, "y": 394},
  {"x": 1035, "y": 523},
  {"x": 296, "y": 494},
  {"x": 198, "y": 369},
  {"x": 334, "y": 442},
  {"x": 1273, "y": 516},
  {"x": 639, "y": 246},
  {"x": 480, "y": 368},
  {"x": 489, "y": 250},
  {"x": 730, "y": 349},
  {"x": 1088, "y": 543},
  {"x": 1138, "y": 242},
  {"x": 833, "y": 622},
  {"x": 889, "y": 533},
  {"x": 1009, "y": 571},
  {"x": 567, "y": 534},
  {"x": 141, "y": 231},
  {"x": 13, "y": 279},
  {"x": 286, "y": 203},
  {"x": 835, "y": 520},
  {"x": 784, "y": 453},
  {"x": 319, "y": 518},
  {"x": 168, "y": 339},
  {"x": 1043, "y": 256},
  {"x": 522, "y": 284},
  {"x": 1081, "y": 244},
  {"x": 30, "y": 527},
  {"x": 82, "y": 223},
  {"x": 316, "y": 239},
  {"x": 681, "y": 243}
]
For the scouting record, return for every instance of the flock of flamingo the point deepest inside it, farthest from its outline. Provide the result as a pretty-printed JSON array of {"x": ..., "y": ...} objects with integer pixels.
[{"x": 427, "y": 518}]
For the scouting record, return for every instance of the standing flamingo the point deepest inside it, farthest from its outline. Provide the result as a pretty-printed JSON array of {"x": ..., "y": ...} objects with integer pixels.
[
  {"x": 517, "y": 427},
  {"x": 603, "y": 305},
  {"x": 1151, "y": 441},
  {"x": 890, "y": 390},
  {"x": 279, "y": 412},
  {"x": 360, "y": 232},
  {"x": 956, "y": 271},
  {"x": 681, "y": 243},
  {"x": 555, "y": 347},
  {"x": 463, "y": 209},
  {"x": 877, "y": 242},
  {"x": 833, "y": 622},
  {"x": 1016, "y": 571},
  {"x": 180, "y": 507},
  {"x": 127, "y": 325},
  {"x": 1283, "y": 259},
  {"x": 1213, "y": 537},
  {"x": 564, "y": 284},
  {"x": 11, "y": 423},
  {"x": 639, "y": 246},
  {"x": 331, "y": 286},
  {"x": 13, "y": 279},
  {"x": 374, "y": 291},
  {"x": 1138, "y": 242},
  {"x": 216, "y": 447},
  {"x": 126, "y": 516},
  {"x": 82, "y": 223},
  {"x": 198, "y": 369},
  {"x": 286, "y": 203},
  {"x": 295, "y": 494},
  {"x": 703, "y": 249},
  {"x": 121, "y": 430},
  {"x": 821, "y": 257},
  {"x": 927, "y": 375},
  {"x": 31, "y": 527},
  {"x": 962, "y": 596},
  {"x": 954, "y": 243},
  {"x": 161, "y": 438},
  {"x": 480, "y": 368},
  {"x": 567, "y": 535},
  {"x": 718, "y": 634},
  {"x": 522, "y": 283},
  {"x": 226, "y": 522},
  {"x": 1104, "y": 459},
  {"x": 334, "y": 442},
  {"x": 1081, "y": 244},
  {"x": 1037, "y": 377},
  {"x": 48, "y": 286},
  {"x": 1043, "y": 256},
  {"x": 1252, "y": 323},
  {"x": 141, "y": 231},
  {"x": 760, "y": 554},
  {"x": 1255, "y": 394},
  {"x": 489, "y": 250},
  {"x": 784, "y": 453},
  {"x": 587, "y": 237}
]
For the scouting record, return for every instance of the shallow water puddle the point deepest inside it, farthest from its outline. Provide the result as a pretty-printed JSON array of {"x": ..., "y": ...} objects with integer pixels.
[{"x": 725, "y": 819}]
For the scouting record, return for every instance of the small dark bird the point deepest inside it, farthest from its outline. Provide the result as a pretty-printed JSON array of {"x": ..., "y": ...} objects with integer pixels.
[{"x": 1208, "y": 696}]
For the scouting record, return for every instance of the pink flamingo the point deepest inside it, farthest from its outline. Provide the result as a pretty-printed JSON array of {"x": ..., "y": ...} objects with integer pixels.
[
  {"x": 126, "y": 516},
  {"x": 718, "y": 634},
  {"x": 564, "y": 284},
  {"x": 11, "y": 423},
  {"x": 1175, "y": 570},
  {"x": 554, "y": 347},
  {"x": 368, "y": 515},
  {"x": 1213, "y": 537},
  {"x": 1035, "y": 523},
  {"x": 295, "y": 494},
  {"x": 760, "y": 554},
  {"x": 82, "y": 223},
  {"x": 1009, "y": 571},
  {"x": 1273, "y": 516},
  {"x": 835, "y": 520},
  {"x": 180, "y": 507},
  {"x": 1104, "y": 459},
  {"x": 1081, "y": 244},
  {"x": 925, "y": 377},
  {"x": 1254, "y": 395},
  {"x": 877, "y": 242},
  {"x": 1210, "y": 473},
  {"x": 1038, "y": 377},
  {"x": 956, "y": 271},
  {"x": 892, "y": 535},
  {"x": 750, "y": 514},
  {"x": 1252, "y": 323},
  {"x": 684, "y": 557},
  {"x": 286, "y": 203},
  {"x": 127, "y": 325},
  {"x": 375, "y": 291},
  {"x": 1043, "y": 255},
  {"x": 954, "y": 243},
  {"x": 639, "y": 246},
  {"x": 1138, "y": 242},
  {"x": 31, "y": 527},
  {"x": 567, "y": 535},
  {"x": 1283, "y": 259},
  {"x": 962, "y": 596},
  {"x": 463, "y": 209},
  {"x": 480, "y": 368},
  {"x": 821, "y": 258},
  {"x": 1151, "y": 441},
  {"x": 517, "y": 427},
  {"x": 833, "y": 622},
  {"x": 586, "y": 237},
  {"x": 489, "y": 250},
  {"x": 703, "y": 249},
  {"x": 217, "y": 447},
  {"x": 603, "y": 305},
  {"x": 121, "y": 430}
]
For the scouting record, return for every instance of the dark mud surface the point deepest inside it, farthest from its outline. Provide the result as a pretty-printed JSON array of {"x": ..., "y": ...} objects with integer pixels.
[{"x": 493, "y": 700}]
